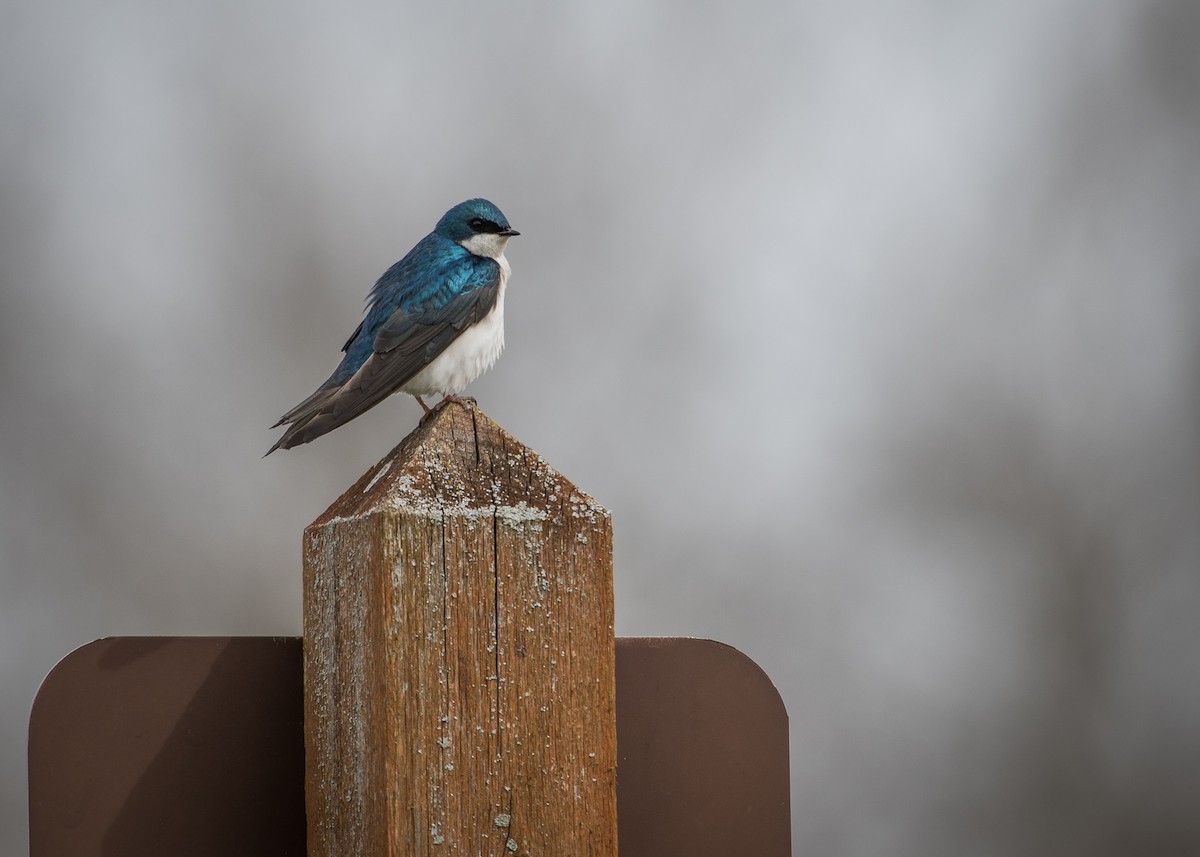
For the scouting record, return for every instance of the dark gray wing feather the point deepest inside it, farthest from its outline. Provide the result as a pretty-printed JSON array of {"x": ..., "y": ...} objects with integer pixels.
[{"x": 405, "y": 344}]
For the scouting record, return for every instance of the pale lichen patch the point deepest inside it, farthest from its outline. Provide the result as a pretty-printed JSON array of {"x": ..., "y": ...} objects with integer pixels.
[{"x": 521, "y": 513}]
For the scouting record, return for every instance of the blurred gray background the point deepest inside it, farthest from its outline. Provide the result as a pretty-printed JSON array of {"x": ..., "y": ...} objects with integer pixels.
[{"x": 876, "y": 324}]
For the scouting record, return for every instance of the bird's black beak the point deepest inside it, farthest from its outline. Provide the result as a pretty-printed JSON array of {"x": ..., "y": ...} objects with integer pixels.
[{"x": 508, "y": 231}]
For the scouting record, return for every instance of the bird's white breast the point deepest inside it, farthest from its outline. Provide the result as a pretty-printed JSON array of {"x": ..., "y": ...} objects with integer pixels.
[{"x": 468, "y": 356}]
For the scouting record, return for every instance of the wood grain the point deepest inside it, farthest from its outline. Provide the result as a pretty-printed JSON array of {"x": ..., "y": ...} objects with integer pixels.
[{"x": 459, "y": 667}]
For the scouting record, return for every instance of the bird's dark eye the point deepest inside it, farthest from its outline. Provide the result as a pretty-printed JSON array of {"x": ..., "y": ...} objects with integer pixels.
[{"x": 481, "y": 225}]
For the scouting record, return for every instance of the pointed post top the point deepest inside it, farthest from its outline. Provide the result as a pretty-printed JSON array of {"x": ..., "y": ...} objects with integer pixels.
[
  {"x": 459, "y": 459},
  {"x": 459, "y": 662}
]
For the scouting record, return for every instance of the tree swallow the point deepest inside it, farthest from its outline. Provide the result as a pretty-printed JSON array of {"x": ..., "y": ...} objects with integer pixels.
[{"x": 434, "y": 323}]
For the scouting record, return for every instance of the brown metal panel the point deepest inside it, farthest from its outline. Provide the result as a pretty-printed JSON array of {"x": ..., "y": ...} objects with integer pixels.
[
  {"x": 169, "y": 746},
  {"x": 702, "y": 752},
  {"x": 187, "y": 746}
]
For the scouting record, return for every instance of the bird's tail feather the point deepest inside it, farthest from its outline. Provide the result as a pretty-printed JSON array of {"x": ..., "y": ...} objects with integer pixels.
[
  {"x": 337, "y": 402},
  {"x": 303, "y": 414},
  {"x": 318, "y": 398}
]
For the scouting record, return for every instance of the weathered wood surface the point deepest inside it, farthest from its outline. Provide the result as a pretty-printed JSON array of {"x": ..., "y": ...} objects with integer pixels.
[{"x": 459, "y": 667}]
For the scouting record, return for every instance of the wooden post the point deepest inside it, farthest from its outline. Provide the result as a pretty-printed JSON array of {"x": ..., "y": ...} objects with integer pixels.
[{"x": 458, "y": 655}]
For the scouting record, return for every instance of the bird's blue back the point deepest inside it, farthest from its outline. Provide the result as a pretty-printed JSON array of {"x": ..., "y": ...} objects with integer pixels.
[{"x": 430, "y": 275}]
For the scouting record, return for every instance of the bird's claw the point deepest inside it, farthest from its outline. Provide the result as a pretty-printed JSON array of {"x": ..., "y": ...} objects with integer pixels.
[{"x": 465, "y": 401}]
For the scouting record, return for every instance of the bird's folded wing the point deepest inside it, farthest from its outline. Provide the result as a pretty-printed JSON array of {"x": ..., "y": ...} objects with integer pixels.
[{"x": 405, "y": 344}]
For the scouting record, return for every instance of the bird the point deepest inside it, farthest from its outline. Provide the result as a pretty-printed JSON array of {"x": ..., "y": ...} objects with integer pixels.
[{"x": 433, "y": 323}]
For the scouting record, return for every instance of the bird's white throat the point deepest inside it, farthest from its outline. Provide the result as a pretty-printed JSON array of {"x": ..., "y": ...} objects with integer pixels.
[{"x": 487, "y": 244}]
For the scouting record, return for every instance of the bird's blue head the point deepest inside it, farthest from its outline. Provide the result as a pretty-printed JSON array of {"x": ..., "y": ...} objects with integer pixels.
[{"x": 477, "y": 225}]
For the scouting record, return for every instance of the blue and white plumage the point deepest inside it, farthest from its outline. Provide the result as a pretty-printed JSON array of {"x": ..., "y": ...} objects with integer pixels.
[{"x": 434, "y": 323}]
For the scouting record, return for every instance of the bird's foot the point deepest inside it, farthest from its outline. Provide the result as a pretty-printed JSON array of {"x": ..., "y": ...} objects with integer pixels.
[
  {"x": 465, "y": 401},
  {"x": 428, "y": 410}
]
